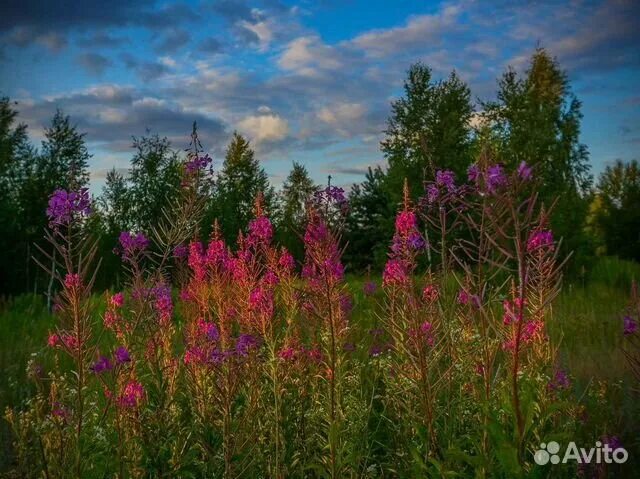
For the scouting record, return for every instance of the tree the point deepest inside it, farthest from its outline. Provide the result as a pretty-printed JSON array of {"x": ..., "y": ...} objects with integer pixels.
[
  {"x": 371, "y": 217},
  {"x": 237, "y": 186},
  {"x": 154, "y": 179},
  {"x": 64, "y": 159},
  {"x": 537, "y": 119},
  {"x": 15, "y": 158},
  {"x": 297, "y": 190},
  {"x": 429, "y": 128},
  {"x": 617, "y": 217}
]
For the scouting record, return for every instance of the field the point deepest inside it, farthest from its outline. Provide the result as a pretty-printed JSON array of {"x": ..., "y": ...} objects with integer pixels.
[{"x": 587, "y": 326}]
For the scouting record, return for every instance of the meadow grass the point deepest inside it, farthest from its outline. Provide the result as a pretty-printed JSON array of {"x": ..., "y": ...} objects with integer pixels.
[{"x": 586, "y": 324}]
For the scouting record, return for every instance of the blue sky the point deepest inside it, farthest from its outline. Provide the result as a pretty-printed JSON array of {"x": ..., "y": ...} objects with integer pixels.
[{"x": 309, "y": 80}]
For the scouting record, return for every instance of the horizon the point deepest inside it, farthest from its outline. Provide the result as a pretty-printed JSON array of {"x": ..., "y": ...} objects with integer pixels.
[{"x": 299, "y": 85}]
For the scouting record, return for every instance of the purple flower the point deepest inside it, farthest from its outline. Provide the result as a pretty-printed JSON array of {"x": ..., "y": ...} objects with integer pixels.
[
  {"x": 540, "y": 239},
  {"x": 559, "y": 381},
  {"x": 524, "y": 171},
  {"x": 349, "y": 347},
  {"x": 630, "y": 326},
  {"x": 132, "y": 243},
  {"x": 473, "y": 173},
  {"x": 101, "y": 365},
  {"x": 122, "y": 355},
  {"x": 369, "y": 288},
  {"x": 260, "y": 230},
  {"x": 331, "y": 194},
  {"x": 246, "y": 342},
  {"x": 197, "y": 163},
  {"x": 180, "y": 251},
  {"x": 432, "y": 193},
  {"x": 446, "y": 178},
  {"x": 416, "y": 241},
  {"x": 495, "y": 178},
  {"x": 65, "y": 205},
  {"x": 613, "y": 442}
]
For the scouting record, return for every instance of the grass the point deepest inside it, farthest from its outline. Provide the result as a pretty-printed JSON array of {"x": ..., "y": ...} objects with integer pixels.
[{"x": 587, "y": 324}]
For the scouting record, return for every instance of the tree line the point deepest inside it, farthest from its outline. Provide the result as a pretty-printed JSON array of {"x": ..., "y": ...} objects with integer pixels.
[{"x": 535, "y": 118}]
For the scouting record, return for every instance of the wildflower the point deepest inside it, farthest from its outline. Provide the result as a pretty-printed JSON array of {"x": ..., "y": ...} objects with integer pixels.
[
  {"x": 110, "y": 319},
  {"x": 53, "y": 340},
  {"x": 132, "y": 395},
  {"x": 473, "y": 173},
  {"x": 288, "y": 354},
  {"x": 315, "y": 355},
  {"x": 331, "y": 194},
  {"x": 194, "y": 356},
  {"x": 406, "y": 222},
  {"x": 196, "y": 260},
  {"x": 349, "y": 347},
  {"x": 432, "y": 193},
  {"x": 64, "y": 206},
  {"x": 430, "y": 293},
  {"x": 101, "y": 365},
  {"x": 261, "y": 301},
  {"x": 496, "y": 178},
  {"x": 216, "y": 253},
  {"x": 630, "y": 326},
  {"x": 559, "y": 381},
  {"x": 260, "y": 230},
  {"x": 163, "y": 303},
  {"x": 197, "y": 163},
  {"x": 464, "y": 298},
  {"x": 446, "y": 178},
  {"x": 72, "y": 281},
  {"x": 122, "y": 355},
  {"x": 132, "y": 244},
  {"x": 270, "y": 278},
  {"x": 245, "y": 343},
  {"x": 286, "y": 261},
  {"x": 59, "y": 411},
  {"x": 524, "y": 171},
  {"x": 117, "y": 300},
  {"x": 415, "y": 241},
  {"x": 395, "y": 273},
  {"x": 346, "y": 304},
  {"x": 180, "y": 251},
  {"x": 540, "y": 239},
  {"x": 369, "y": 288},
  {"x": 612, "y": 441},
  {"x": 376, "y": 350}
]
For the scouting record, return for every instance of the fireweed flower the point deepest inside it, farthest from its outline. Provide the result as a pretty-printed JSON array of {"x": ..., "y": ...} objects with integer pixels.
[
  {"x": 246, "y": 343},
  {"x": 322, "y": 262},
  {"x": 132, "y": 244},
  {"x": 72, "y": 281},
  {"x": 64, "y": 206},
  {"x": 197, "y": 163},
  {"x": 117, "y": 300},
  {"x": 122, "y": 355},
  {"x": 331, "y": 194},
  {"x": 132, "y": 395},
  {"x": 464, "y": 298},
  {"x": 524, "y": 171},
  {"x": 286, "y": 261},
  {"x": 369, "y": 288},
  {"x": 433, "y": 192},
  {"x": 180, "y": 251},
  {"x": 496, "y": 178},
  {"x": 446, "y": 179},
  {"x": 630, "y": 326},
  {"x": 473, "y": 173},
  {"x": 395, "y": 273},
  {"x": 163, "y": 303},
  {"x": 559, "y": 381},
  {"x": 260, "y": 231},
  {"x": 406, "y": 222},
  {"x": 217, "y": 254},
  {"x": 430, "y": 293},
  {"x": 101, "y": 365},
  {"x": 541, "y": 239}
]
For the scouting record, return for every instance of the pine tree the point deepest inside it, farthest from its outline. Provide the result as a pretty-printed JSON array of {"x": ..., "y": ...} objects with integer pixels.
[
  {"x": 297, "y": 190},
  {"x": 237, "y": 186}
]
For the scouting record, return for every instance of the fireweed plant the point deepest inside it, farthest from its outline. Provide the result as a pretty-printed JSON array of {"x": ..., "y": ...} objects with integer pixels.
[{"x": 216, "y": 361}]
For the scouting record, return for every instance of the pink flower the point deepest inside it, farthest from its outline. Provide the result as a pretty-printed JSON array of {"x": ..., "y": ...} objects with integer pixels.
[
  {"x": 395, "y": 273},
  {"x": 53, "y": 340},
  {"x": 524, "y": 171},
  {"x": 72, "y": 281},
  {"x": 286, "y": 261},
  {"x": 430, "y": 293},
  {"x": 117, "y": 300},
  {"x": 540, "y": 239},
  {"x": 132, "y": 395},
  {"x": 216, "y": 253},
  {"x": 369, "y": 288},
  {"x": 405, "y": 222},
  {"x": 260, "y": 230}
]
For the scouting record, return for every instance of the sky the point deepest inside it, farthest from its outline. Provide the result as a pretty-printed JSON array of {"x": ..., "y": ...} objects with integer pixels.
[{"x": 306, "y": 81}]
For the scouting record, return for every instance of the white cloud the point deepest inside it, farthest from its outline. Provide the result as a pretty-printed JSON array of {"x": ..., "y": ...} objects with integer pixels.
[
  {"x": 262, "y": 128},
  {"x": 306, "y": 54}
]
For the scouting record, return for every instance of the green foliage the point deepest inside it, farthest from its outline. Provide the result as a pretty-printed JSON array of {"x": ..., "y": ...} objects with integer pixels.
[
  {"x": 536, "y": 119},
  {"x": 617, "y": 217},
  {"x": 297, "y": 191},
  {"x": 237, "y": 187}
]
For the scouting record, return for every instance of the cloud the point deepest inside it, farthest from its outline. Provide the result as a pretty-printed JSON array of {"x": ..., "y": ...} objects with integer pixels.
[
  {"x": 307, "y": 55},
  {"x": 94, "y": 63},
  {"x": 264, "y": 128},
  {"x": 417, "y": 32},
  {"x": 111, "y": 114},
  {"x": 172, "y": 40}
]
